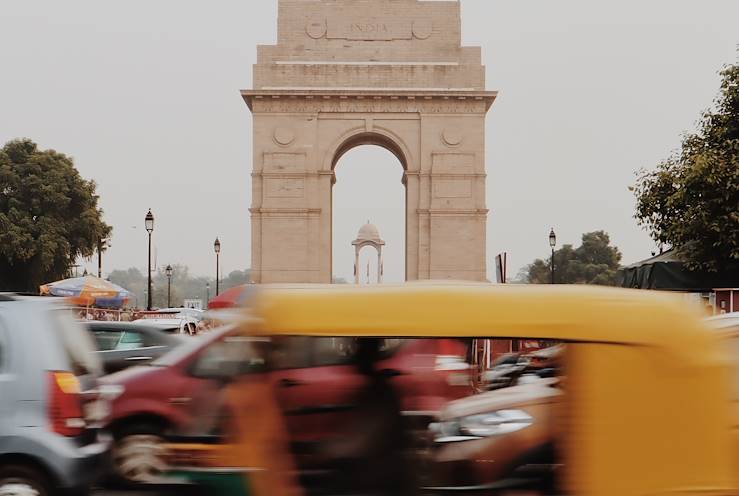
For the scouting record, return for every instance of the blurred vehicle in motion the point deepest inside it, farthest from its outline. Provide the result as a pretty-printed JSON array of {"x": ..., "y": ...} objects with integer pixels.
[
  {"x": 156, "y": 399},
  {"x": 727, "y": 326},
  {"x": 508, "y": 368},
  {"x": 122, "y": 344},
  {"x": 315, "y": 382},
  {"x": 615, "y": 426},
  {"x": 172, "y": 325},
  {"x": 180, "y": 312},
  {"x": 51, "y": 407},
  {"x": 499, "y": 440}
]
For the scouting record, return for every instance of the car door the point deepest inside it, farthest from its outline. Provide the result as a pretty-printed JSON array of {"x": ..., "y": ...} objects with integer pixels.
[{"x": 316, "y": 382}]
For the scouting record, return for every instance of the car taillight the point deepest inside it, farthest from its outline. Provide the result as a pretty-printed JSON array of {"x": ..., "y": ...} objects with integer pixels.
[{"x": 65, "y": 404}]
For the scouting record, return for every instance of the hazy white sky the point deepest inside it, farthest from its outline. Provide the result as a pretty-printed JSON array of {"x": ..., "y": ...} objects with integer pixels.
[{"x": 144, "y": 95}]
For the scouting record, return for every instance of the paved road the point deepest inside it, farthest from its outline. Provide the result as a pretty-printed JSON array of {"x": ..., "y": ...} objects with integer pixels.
[{"x": 148, "y": 492}]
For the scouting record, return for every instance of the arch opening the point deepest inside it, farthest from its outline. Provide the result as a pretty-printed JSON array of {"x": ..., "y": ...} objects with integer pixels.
[
  {"x": 369, "y": 139},
  {"x": 368, "y": 188}
]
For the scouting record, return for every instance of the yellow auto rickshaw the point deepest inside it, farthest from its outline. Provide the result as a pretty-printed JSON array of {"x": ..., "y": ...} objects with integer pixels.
[{"x": 646, "y": 406}]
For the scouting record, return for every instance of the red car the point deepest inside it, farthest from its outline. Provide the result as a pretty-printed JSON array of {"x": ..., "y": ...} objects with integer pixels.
[{"x": 315, "y": 380}]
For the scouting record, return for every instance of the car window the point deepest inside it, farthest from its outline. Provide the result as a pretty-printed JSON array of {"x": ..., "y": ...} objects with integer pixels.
[
  {"x": 77, "y": 344},
  {"x": 292, "y": 352},
  {"x": 340, "y": 351},
  {"x": 235, "y": 352},
  {"x": 130, "y": 341},
  {"x": 333, "y": 351},
  {"x": 189, "y": 347},
  {"x": 106, "y": 340}
]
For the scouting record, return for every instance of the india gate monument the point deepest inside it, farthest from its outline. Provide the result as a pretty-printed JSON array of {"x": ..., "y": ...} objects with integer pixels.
[{"x": 346, "y": 73}]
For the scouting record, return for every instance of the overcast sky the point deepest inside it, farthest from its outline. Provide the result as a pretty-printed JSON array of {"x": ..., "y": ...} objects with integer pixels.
[{"x": 144, "y": 94}]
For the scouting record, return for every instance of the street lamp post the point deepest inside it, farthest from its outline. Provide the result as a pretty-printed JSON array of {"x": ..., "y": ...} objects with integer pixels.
[
  {"x": 217, "y": 248},
  {"x": 102, "y": 245},
  {"x": 207, "y": 293},
  {"x": 149, "y": 222},
  {"x": 169, "y": 271},
  {"x": 552, "y": 244}
]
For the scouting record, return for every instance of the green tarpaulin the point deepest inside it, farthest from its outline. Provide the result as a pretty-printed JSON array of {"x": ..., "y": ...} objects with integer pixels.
[{"x": 666, "y": 272}]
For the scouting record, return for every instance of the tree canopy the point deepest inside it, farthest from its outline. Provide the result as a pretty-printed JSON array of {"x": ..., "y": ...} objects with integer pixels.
[
  {"x": 49, "y": 216},
  {"x": 595, "y": 261},
  {"x": 691, "y": 200}
]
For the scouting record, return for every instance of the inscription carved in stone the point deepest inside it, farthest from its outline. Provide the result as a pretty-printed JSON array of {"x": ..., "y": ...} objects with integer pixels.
[
  {"x": 369, "y": 29},
  {"x": 284, "y": 188},
  {"x": 452, "y": 163},
  {"x": 452, "y": 188},
  {"x": 284, "y": 162}
]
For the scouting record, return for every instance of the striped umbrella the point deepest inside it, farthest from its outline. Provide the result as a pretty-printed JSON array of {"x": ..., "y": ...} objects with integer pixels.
[{"x": 88, "y": 291}]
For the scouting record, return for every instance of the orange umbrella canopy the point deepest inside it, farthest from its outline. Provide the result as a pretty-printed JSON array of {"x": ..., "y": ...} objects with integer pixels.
[{"x": 88, "y": 290}]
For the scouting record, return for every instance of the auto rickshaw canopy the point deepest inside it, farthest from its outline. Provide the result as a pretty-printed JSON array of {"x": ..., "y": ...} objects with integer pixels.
[{"x": 647, "y": 406}]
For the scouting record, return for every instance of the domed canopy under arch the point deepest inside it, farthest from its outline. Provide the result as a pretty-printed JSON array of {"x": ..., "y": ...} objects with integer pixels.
[{"x": 368, "y": 235}]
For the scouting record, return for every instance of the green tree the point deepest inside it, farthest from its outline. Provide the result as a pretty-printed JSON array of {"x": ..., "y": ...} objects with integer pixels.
[
  {"x": 236, "y": 278},
  {"x": 49, "y": 216},
  {"x": 595, "y": 261},
  {"x": 691, "y": 200}
]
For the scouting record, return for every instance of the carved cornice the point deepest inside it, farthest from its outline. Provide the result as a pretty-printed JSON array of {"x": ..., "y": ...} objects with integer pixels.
[
  {"x": 345, "y": 101},
  {"x": 452, "y": 211},
  {"x": 285, "y": 211}
]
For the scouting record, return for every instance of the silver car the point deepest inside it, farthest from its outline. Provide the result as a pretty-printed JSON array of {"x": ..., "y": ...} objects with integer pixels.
[{"x": 50, "y": 404}]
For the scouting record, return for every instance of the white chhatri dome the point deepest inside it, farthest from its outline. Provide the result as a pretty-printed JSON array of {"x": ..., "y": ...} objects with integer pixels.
[{"x": 369, "y": 234}]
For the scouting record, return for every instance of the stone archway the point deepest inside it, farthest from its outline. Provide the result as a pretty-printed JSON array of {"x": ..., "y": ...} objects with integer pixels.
[{"x": 346, "y": 73}]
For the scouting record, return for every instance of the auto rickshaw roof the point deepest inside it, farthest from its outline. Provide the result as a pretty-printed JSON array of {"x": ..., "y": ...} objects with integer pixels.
[{"x": 570, "y": 313}]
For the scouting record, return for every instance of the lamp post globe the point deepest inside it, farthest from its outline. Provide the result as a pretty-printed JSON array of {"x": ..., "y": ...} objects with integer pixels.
[
  {"x": 169, "y": 272},
  {"x": 217, "y": 248},
  {"x": 552, "y": 244},
  {"x": 149, "y": 224},
  {"x": 149, "y": 221}
]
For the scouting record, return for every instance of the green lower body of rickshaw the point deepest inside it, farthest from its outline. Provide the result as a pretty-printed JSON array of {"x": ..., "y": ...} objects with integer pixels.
[{"x": 222, "y": 483}]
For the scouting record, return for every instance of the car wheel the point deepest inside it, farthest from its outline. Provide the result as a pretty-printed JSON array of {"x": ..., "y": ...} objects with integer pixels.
[
  {"x": 20, "y": 480},
  {"x": 138, "y": 455}
]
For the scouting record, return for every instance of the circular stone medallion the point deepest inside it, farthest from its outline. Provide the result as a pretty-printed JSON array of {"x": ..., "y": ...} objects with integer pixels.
[
  {"x": 284, "y": 136},
  {"x": 422, "y": 28},
  {"x": 316, "y": 28},
  {"x": 452, "y": 137}
]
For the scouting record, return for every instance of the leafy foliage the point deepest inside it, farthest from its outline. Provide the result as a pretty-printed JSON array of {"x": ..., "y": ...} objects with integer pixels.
[
  {"x": 49, "y": 216},
  {"x": 184, "y": 285},
  {"x": 691, "y": 201},
  {"x": 594, "y": 262}
]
